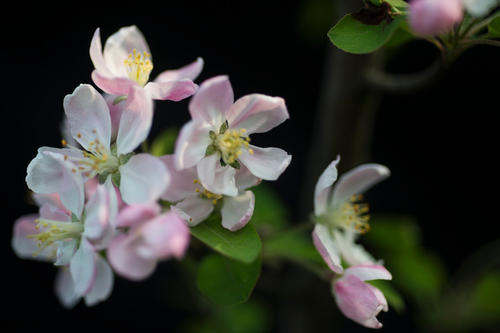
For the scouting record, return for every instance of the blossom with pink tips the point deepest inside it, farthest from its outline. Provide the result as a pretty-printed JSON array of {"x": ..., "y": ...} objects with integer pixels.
[
  {"x": 359, "y": 300},
  {"x": 126, "y": 63},
  {"x": 434, "y": 17},
  {"x": 216, "y": 140},
  {"x": 72, "y": 240},
  {"x": 152, "y": 236},
  {"x": 140, "y": 177},
  {"x": 195, "y": 203}
]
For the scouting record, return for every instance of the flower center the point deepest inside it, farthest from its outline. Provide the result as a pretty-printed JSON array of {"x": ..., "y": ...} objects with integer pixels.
[
  {"x": 53, "y": 231},
  {"x": 206, "y": 194},
  {"x": 229, "y": 143},
  {"x": 139, "y": 66},
  {"x": 352, "y": 215}
]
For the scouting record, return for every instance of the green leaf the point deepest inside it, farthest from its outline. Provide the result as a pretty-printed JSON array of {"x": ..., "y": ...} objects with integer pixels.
[
  {"x": 485, "y": 302},
  {"x": 393, "y": 234},
  {"x": 243, "y": 245},
  {"x": 393, "y": 296},
  {"x": 355, "y": 37},
  {"x": 164, "y": 143},
  {"x": 225, "y": 281},
  {"x": 397, "y": 3},
  {"x": 270, "y": 213},
  {"x": 494, "y": 27},
  {"x": 400, "y": 37}
]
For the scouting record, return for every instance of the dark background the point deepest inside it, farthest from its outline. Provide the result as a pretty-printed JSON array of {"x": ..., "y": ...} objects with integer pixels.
[{"x": 441, "y": 143}]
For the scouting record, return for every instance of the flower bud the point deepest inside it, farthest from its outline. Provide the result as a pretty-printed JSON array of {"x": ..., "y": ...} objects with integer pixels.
[{"x": 434, "y": 17}]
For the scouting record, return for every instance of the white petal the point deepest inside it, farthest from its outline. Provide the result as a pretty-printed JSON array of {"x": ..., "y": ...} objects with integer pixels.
[
  {"x": 245, "y": 179},
  {"x": 144, "y": 178},
  {"x": 191, "y": 144},
  {"x": 88, "y": 117},
  {"x": 216, "y": 178},
  {"x": 182, "y": 182},
  {"x": 23, "y": 246},
  {"x": 367, "y": 272},
  {"x": 324, "y": 186},
  {"x": 65, "y": 289},
  {"x": 325, "y": 244},
  {"x": 212, "y": 101},
  {"x": 65, "y": 251},
  {"x": 97, "y": 214},
  {"x": 190, "y": 71},
  {"x": 96, "y": 54},
  {"x": 194, "y": 210},
  {"x": 237, "y": 211},
  {"x": 265, "y": 163},
  {"x": 352, "y": 253},
  {"x": 103, "y": 284},
  {"x": 83, "y": 268},
  {"x": 357, "y": 181}
]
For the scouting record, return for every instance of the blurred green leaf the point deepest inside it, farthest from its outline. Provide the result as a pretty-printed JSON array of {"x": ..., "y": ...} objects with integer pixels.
[
  {"x": 225, "y": 281},
  {"x": 164, "y": 143},
  {"x": 355, "y": 37},
  {"x": 393, "y": 234},
  {"x": 243, "y": 245},
  {"x": 270, "y": 213},
  {"x": 494, "y": 27},
  {"x": 400, "y": 37},
  {"x": 397, "y": 3},
  {"x": 485, "y": 298},
  {"x": 393, "y": 296}
]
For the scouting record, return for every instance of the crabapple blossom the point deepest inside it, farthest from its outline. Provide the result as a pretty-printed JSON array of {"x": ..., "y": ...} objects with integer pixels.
[
  {"x": 126, "y": 62},
  {"x": 478, "y": 8},
  {"x": 217, "y": 140},
  {"x": 359, "y": 300},
  {"x": 72, "y": 240},
  {"x": 140, "y": 177},
  {"x": 340, "y": 215},
  {"x": 151, "y": 236},
  {"x": 434, "y": 17},
  {"x": 195, "y": 203}
]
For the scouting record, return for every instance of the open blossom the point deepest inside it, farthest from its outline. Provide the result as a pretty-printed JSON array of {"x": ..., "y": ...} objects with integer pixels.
[
  {"x": 140, "y": 177},
  {"x": 151, "y": 236},
  {"x": 126, "y": 62},
  {"x": 72, "y": 240},
  {"x": 217, "y": 140},
  {"x": 434, "y": 17},
  {"x": 479, "y": 8},
  {"x": 195, "y": 203},
  {"x": 359, "y": 300},
  {"x": 341, "y": 215}
]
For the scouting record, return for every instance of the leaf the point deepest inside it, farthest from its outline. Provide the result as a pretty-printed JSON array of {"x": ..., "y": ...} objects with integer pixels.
[
  {"x": 243, "y": 245},
  {"x": 270, "y": 213},
  {"x": 225, "y": 281},
  {"x": 400, "y": 37},
  {"x": 393, "y": 296},
  {"x": 355, "y": 37},
  {"x": 164, "y": 143},
  {"x": 494, "y": 27},
  {"x": 397, "y": 3},
  {"x": 393, "y": 234},
  {"x": 484, "y": 302}
]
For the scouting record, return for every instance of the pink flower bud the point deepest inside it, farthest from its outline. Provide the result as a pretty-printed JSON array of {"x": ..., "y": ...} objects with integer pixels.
[{"x": 434, "y": 17}]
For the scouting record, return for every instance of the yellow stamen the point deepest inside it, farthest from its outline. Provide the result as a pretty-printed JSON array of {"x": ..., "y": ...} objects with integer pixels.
[{"x": 139, "y": 66}]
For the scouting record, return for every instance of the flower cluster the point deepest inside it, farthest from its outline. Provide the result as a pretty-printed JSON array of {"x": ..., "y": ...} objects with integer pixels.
[{"x": 105, "y": 207}]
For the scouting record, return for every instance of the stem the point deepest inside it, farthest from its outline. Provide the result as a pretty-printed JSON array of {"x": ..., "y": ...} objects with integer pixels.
[{"x": 491, "y": 42}]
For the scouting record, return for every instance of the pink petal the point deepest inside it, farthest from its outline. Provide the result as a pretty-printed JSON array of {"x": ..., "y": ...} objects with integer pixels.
[
  {"x": 52, "y": 212},
  {"x": 212, "y": 101},
  {"x": 190, "y": 71},
  {"x": 172, "y": 90},
  {"x": 134, "y": 215},
  {"x": 83, "y": 267},
  {"x": 366, "y": 272},
  {"x": 237, "y": 211},
  {"x": 357, "y": 301},
  {"x": 265, "y": 163},
  {"x": 88, "y": 117},
  {"x": 191, "y": 144},
  {"x": 50, "y": 172},
  {"x": 23, "y": 246},
  {"x": 327, "y": 248},
  {"x": 144, "y": 178},
  {"x": 182, "y": 182},
  {"x": 216, "y": 178},
  {"x": 119, "y": 45},
  {"x": 123, "y": 257},
  {"x": 96, "y": 54},
  {"x": 194, "y": 209},
  {"x": 324, "y": 186},
  {"x": 113, "y": 85},
  {"x": 357, "y": 181},
  {"x": 257, "y": 113},
  {"x": 115, "y": 112},
  {"x": 135, "y": 121},
  {"x": 65, "y": 289},
  {"x": 103, "y": 284},
  {"x": 97, "y": 214},
  {"x": 380, "y": 297},
  {"x": 245, "y": 179}
]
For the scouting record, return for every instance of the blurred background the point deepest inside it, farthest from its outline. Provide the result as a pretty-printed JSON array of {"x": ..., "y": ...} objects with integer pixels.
[{"x": 435, "y": 219}]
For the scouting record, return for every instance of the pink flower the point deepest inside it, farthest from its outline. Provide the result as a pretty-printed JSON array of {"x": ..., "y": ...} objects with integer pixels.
[
  {"x": 140, "y": 177},
  {"x": 341, "y": 216},
  {"x": 216, "y": 140},
  {"x": 195, "y": 203},
  {"x": 126, "y": 62},
  {"x": 72, "y": 240},
  {"x": 434, "y": 17},
  {"x": 358, "y": 300},
  {"x": 152, "y": 236}
]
